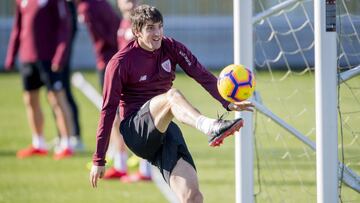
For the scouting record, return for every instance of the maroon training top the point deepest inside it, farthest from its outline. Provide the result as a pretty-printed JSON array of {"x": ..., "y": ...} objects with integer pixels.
[
  {"x": 102, "y": 23},
  {"x": 134, "y": 76},
  {"x": 41, "y": 31}
]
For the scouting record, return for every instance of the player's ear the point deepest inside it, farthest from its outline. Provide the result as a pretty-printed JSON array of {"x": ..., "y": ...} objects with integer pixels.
[{"x": 136, "y": 33}]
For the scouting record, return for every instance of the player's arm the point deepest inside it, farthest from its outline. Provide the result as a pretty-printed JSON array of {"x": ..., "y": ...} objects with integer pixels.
[
  {"x": 111, "y": 97},
  {"x": 206, "y": 79},
  {"x": 63, "y": 35},
  {"x": 14, "y": 41},
  {"x": 189, "y": 63}
]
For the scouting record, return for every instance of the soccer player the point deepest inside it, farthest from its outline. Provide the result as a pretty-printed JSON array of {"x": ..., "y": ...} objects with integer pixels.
[
  {"x": 41, "y": 34},
  {"x": 119, "y": 154},
  {"x": 139, "y": 79},
  {"x": 102, "y": 23},
  {"x": 76, "y": 140}
]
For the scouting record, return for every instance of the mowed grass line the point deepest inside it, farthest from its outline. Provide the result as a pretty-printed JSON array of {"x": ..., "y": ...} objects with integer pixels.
[{"x": 46, "y": 180}]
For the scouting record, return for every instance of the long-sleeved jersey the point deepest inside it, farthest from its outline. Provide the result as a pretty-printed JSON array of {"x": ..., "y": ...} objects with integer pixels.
[
  {"x": 102, "y": 23},
  {"x": 134, "y": 76},
  {"x": 41, "y": 31}
]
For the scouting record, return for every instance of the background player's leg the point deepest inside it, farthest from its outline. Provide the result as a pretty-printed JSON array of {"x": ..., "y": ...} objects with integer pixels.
[
  {"x": 33, "y": 111},
  {"x": 184, "y": 182}
]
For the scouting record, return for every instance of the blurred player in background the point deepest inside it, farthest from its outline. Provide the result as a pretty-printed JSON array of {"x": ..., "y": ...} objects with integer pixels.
[
  {"x": 76, "y": 140},
  {"x": 138, "y": 81},
  {"x": 41, "y": 33},
  {"x": 102, "y": 23},
  {"x": 119, "y": 151}
]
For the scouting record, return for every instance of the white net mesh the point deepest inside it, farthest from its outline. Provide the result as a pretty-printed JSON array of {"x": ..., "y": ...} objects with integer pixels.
[{"x": 284, "y": 57}]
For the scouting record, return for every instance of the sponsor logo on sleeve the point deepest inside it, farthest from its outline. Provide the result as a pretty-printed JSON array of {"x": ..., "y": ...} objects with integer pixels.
[{"x": 185, "y": 57}]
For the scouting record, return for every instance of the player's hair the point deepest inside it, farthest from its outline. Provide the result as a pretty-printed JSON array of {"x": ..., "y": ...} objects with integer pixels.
[{"x": 143, "y": 14}]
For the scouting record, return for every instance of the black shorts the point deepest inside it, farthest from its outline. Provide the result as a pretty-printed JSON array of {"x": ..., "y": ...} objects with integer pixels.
[
  {"x": 161, "y": 149},
  {"x": 35, "y": 75},
  {"x": 101, "y": 74}
]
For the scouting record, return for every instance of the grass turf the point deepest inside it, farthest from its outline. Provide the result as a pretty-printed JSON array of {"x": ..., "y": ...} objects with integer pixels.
[{"x": 46, "y": 180}]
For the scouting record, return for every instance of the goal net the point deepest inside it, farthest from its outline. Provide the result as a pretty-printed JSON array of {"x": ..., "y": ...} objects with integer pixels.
[{"x": 285, "y": 166}]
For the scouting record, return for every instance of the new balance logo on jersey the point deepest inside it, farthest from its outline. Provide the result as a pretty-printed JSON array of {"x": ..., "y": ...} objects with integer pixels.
[
  {"x": 166, "y": 65},
  {"x": 143, "y": 78}
]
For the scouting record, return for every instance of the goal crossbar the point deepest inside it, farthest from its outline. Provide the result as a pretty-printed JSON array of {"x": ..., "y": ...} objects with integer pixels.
[{"x": 275, "y": 9}]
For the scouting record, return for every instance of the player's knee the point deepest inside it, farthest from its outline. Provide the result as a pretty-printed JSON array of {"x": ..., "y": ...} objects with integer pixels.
[
  {"x": 193, "y": 195},
  {"x": 196, "y": 197},
  {"x": 53, "y": 100},
  {"x": 173, "y": 95}
]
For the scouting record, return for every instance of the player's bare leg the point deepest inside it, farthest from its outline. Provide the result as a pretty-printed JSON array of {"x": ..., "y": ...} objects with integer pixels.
[
  {"x": 34, "y": 113},
  {"x": 165, "y": 107},
  {"x": 184, "y": 182},
  {"x": 118, "y": 154},
  {"x": 172, "y": 104},
  {"x": 36, "y": 123},
  {"x": 61, "y": 109}
]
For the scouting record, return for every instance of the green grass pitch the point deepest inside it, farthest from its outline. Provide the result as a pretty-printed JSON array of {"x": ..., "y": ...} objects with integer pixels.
[{"x": 36, "y": 180}]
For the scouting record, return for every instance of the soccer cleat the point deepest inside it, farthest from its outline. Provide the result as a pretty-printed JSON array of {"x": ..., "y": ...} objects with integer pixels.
[
  {"x": 112, "y": 173},
  {"x": 136, "y": 177},
  {"x": 65, "y": 153},
  {"x": 222, "y": 129},
  {"x": 77, "y": 144},
  {"x": 31, "y": 151}
]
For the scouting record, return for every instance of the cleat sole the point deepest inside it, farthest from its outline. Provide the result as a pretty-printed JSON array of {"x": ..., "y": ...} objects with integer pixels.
[{"x": 219, "y": 140}]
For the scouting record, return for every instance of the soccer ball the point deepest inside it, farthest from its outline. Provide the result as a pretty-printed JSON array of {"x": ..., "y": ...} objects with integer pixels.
[{"x": 236, "y": 83}]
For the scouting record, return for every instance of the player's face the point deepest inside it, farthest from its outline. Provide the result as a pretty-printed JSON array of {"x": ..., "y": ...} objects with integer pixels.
[{"x": 150, "y": 36}]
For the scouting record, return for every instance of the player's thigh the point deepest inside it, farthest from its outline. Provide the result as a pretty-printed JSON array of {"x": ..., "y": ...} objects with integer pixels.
[
  {"x": 183, "y": 178},
  {"x": 30, "y": 76},
  {"x": 160, "y": 111},
  {"x": 52, "y": 80}
]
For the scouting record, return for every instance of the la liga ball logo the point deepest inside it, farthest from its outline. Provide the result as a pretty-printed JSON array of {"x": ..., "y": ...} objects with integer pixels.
[{"x": 236, "y": 83}]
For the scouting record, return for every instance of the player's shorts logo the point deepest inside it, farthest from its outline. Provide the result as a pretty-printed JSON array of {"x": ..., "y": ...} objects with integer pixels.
[{"x": 166, "y": 65}]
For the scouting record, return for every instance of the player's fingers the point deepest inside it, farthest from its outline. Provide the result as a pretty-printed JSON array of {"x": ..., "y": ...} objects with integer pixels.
[
  {"x": 94, "y": 181},
  {"x": 245, "y": 103},
  {"x": 248, "y": 109}
]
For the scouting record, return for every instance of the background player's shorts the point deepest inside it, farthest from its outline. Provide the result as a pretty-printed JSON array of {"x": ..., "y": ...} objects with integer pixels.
[
  {"x": 161, "y": 149},
  {"x": 35, "y": 75},
  {"x": 101, "y": 74}
]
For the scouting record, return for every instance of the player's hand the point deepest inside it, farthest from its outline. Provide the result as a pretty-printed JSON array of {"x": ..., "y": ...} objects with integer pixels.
[
  {"x": 95, "y": 173},
  {"x": 55, "y": 68},
  {"x": 9, "y": 65},
  {"x": 241, "y": 106}
]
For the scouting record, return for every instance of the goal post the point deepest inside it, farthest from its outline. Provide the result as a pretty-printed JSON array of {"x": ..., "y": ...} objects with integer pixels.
[
  {"x": 243, "y": 54},
  {"x": 317, "y": 49},
  {"x": 326, "y": 101}
]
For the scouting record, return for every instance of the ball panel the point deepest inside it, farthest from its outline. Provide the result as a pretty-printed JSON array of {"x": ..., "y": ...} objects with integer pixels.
[{"x": 236, "y": 83}]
